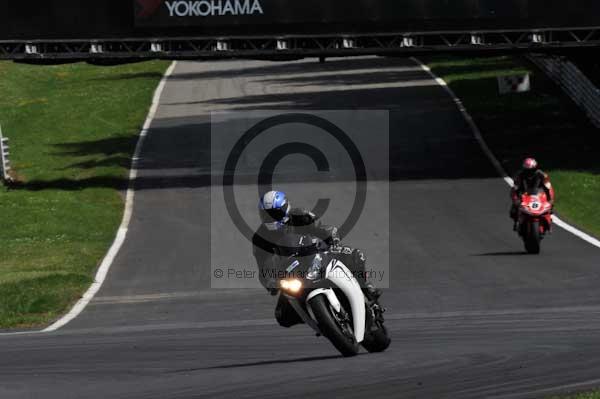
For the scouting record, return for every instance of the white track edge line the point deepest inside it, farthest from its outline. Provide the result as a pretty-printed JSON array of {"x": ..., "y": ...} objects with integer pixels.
[
  {"x": 122, "y": 232},
  {"x": 486, "y": 149}
]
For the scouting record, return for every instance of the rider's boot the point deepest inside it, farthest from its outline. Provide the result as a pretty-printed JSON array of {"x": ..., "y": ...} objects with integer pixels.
[
  {"x": 514, "y": 216},
  {"x": 358, "y": 261},
  {"x": 375, "y": 310},
  {"x": 371, "y": 292}
]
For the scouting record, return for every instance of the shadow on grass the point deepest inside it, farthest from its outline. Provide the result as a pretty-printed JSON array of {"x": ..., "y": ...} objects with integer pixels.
[
  {"x": 121, "y": 184},
  {"x": 132, "y": 75},
  {"x": 72, "y": 184},
  {"x": 121, "y": 161},
  {"x": 110, "y": 153},
  {"x": 107, "y": 147},
  {"x": 543, "y": 123}
]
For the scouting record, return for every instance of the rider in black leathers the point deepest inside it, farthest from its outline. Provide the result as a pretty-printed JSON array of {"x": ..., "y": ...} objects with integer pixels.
[{"x": 280, "y": 219}]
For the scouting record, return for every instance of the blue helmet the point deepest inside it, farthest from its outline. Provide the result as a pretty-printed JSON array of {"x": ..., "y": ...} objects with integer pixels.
[{"x": 274, "y": 209}]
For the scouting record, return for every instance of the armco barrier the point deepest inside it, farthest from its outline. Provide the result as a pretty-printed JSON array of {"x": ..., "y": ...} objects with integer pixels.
[{"x": 574, "y": 83}]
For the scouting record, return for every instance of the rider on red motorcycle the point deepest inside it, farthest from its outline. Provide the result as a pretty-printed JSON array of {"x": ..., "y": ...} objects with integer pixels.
[{"x": 530, "y": 177}]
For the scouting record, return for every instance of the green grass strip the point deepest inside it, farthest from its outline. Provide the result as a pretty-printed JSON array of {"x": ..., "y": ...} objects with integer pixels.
[
  {"x": 586, "y": 395},
  {"x": 72, "y": 131}
]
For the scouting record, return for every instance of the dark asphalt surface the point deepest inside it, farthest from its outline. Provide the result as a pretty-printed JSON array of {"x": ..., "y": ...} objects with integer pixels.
[{"x": 470, "y": 315}]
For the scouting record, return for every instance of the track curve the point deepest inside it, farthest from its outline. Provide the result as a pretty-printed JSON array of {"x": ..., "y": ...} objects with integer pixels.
[{"x": 469, "y": 314}]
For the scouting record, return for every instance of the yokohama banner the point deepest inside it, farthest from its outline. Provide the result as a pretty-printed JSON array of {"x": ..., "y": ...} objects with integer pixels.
[
  {"x": 78, "y": 19},
  {"x": 396, "y": 15},
  {"x": 177, "y": 13}
]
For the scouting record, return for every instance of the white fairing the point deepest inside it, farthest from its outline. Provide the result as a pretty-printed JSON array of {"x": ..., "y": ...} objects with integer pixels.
[{"x": 343, "y": 278}]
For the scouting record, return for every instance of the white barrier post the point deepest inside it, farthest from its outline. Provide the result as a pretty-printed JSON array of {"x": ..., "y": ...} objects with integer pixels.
[{"x": 4, "y": 162}]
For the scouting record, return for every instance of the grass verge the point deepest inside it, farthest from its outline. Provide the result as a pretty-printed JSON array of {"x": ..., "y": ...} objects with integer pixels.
[
  {"x": 72, "y": 131},
  {"x": 542, "y": 123},
  {"x": 586, "y": 395}
]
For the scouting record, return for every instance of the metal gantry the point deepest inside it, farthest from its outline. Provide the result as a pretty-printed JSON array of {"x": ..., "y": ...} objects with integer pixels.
[{"x": 301, "y": 45}]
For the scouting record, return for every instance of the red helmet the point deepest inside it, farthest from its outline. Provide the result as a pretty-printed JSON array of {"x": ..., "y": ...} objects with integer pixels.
[{"x": 530, "y": 164}]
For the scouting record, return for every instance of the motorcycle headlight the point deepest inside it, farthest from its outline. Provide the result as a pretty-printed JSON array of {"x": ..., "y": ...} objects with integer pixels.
[
  {"x": 292, "y": 285},
  {"x": 314, "y": 272}
]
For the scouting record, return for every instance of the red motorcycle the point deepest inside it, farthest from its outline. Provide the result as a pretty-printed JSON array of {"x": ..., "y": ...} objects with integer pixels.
[{"x": 535, "y": 220}]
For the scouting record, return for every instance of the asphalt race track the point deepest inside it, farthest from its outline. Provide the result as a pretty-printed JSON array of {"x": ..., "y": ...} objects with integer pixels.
[{"x": 469, "y": 314}]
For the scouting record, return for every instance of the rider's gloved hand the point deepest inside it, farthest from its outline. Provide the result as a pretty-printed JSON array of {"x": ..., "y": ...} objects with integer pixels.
[
  {"x": 271, "y": 286},
  {"x": 336, "y": 242},
  {"x": 335, "y": 238}
]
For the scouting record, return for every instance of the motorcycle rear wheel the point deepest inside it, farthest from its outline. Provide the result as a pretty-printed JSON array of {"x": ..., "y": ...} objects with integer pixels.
[{"x": 332, "y": 329}]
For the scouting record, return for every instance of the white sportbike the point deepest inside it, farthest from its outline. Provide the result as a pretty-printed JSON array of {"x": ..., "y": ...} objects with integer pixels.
[{"x": 326, "y": 296}]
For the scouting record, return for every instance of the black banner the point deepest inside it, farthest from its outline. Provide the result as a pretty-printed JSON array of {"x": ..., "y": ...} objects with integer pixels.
[
  {"x": 429, "y": 13},
  {"x": 374, "y": 15},
  {"x": 77, "y": 19}
]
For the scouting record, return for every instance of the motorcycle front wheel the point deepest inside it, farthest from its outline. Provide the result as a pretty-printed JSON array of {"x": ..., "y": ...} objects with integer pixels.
[
  {"x": 532, "y": 239},
  {"x": 336, "y": 330}
]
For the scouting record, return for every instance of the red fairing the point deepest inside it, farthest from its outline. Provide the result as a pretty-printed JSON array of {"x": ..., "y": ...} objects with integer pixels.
[{"x": 536, "y": 208}]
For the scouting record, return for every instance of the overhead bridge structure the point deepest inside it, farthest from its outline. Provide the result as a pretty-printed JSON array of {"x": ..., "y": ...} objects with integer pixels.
[
  {"x": 280, "y": 29},
  {"x": 285, "y": 46}
]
